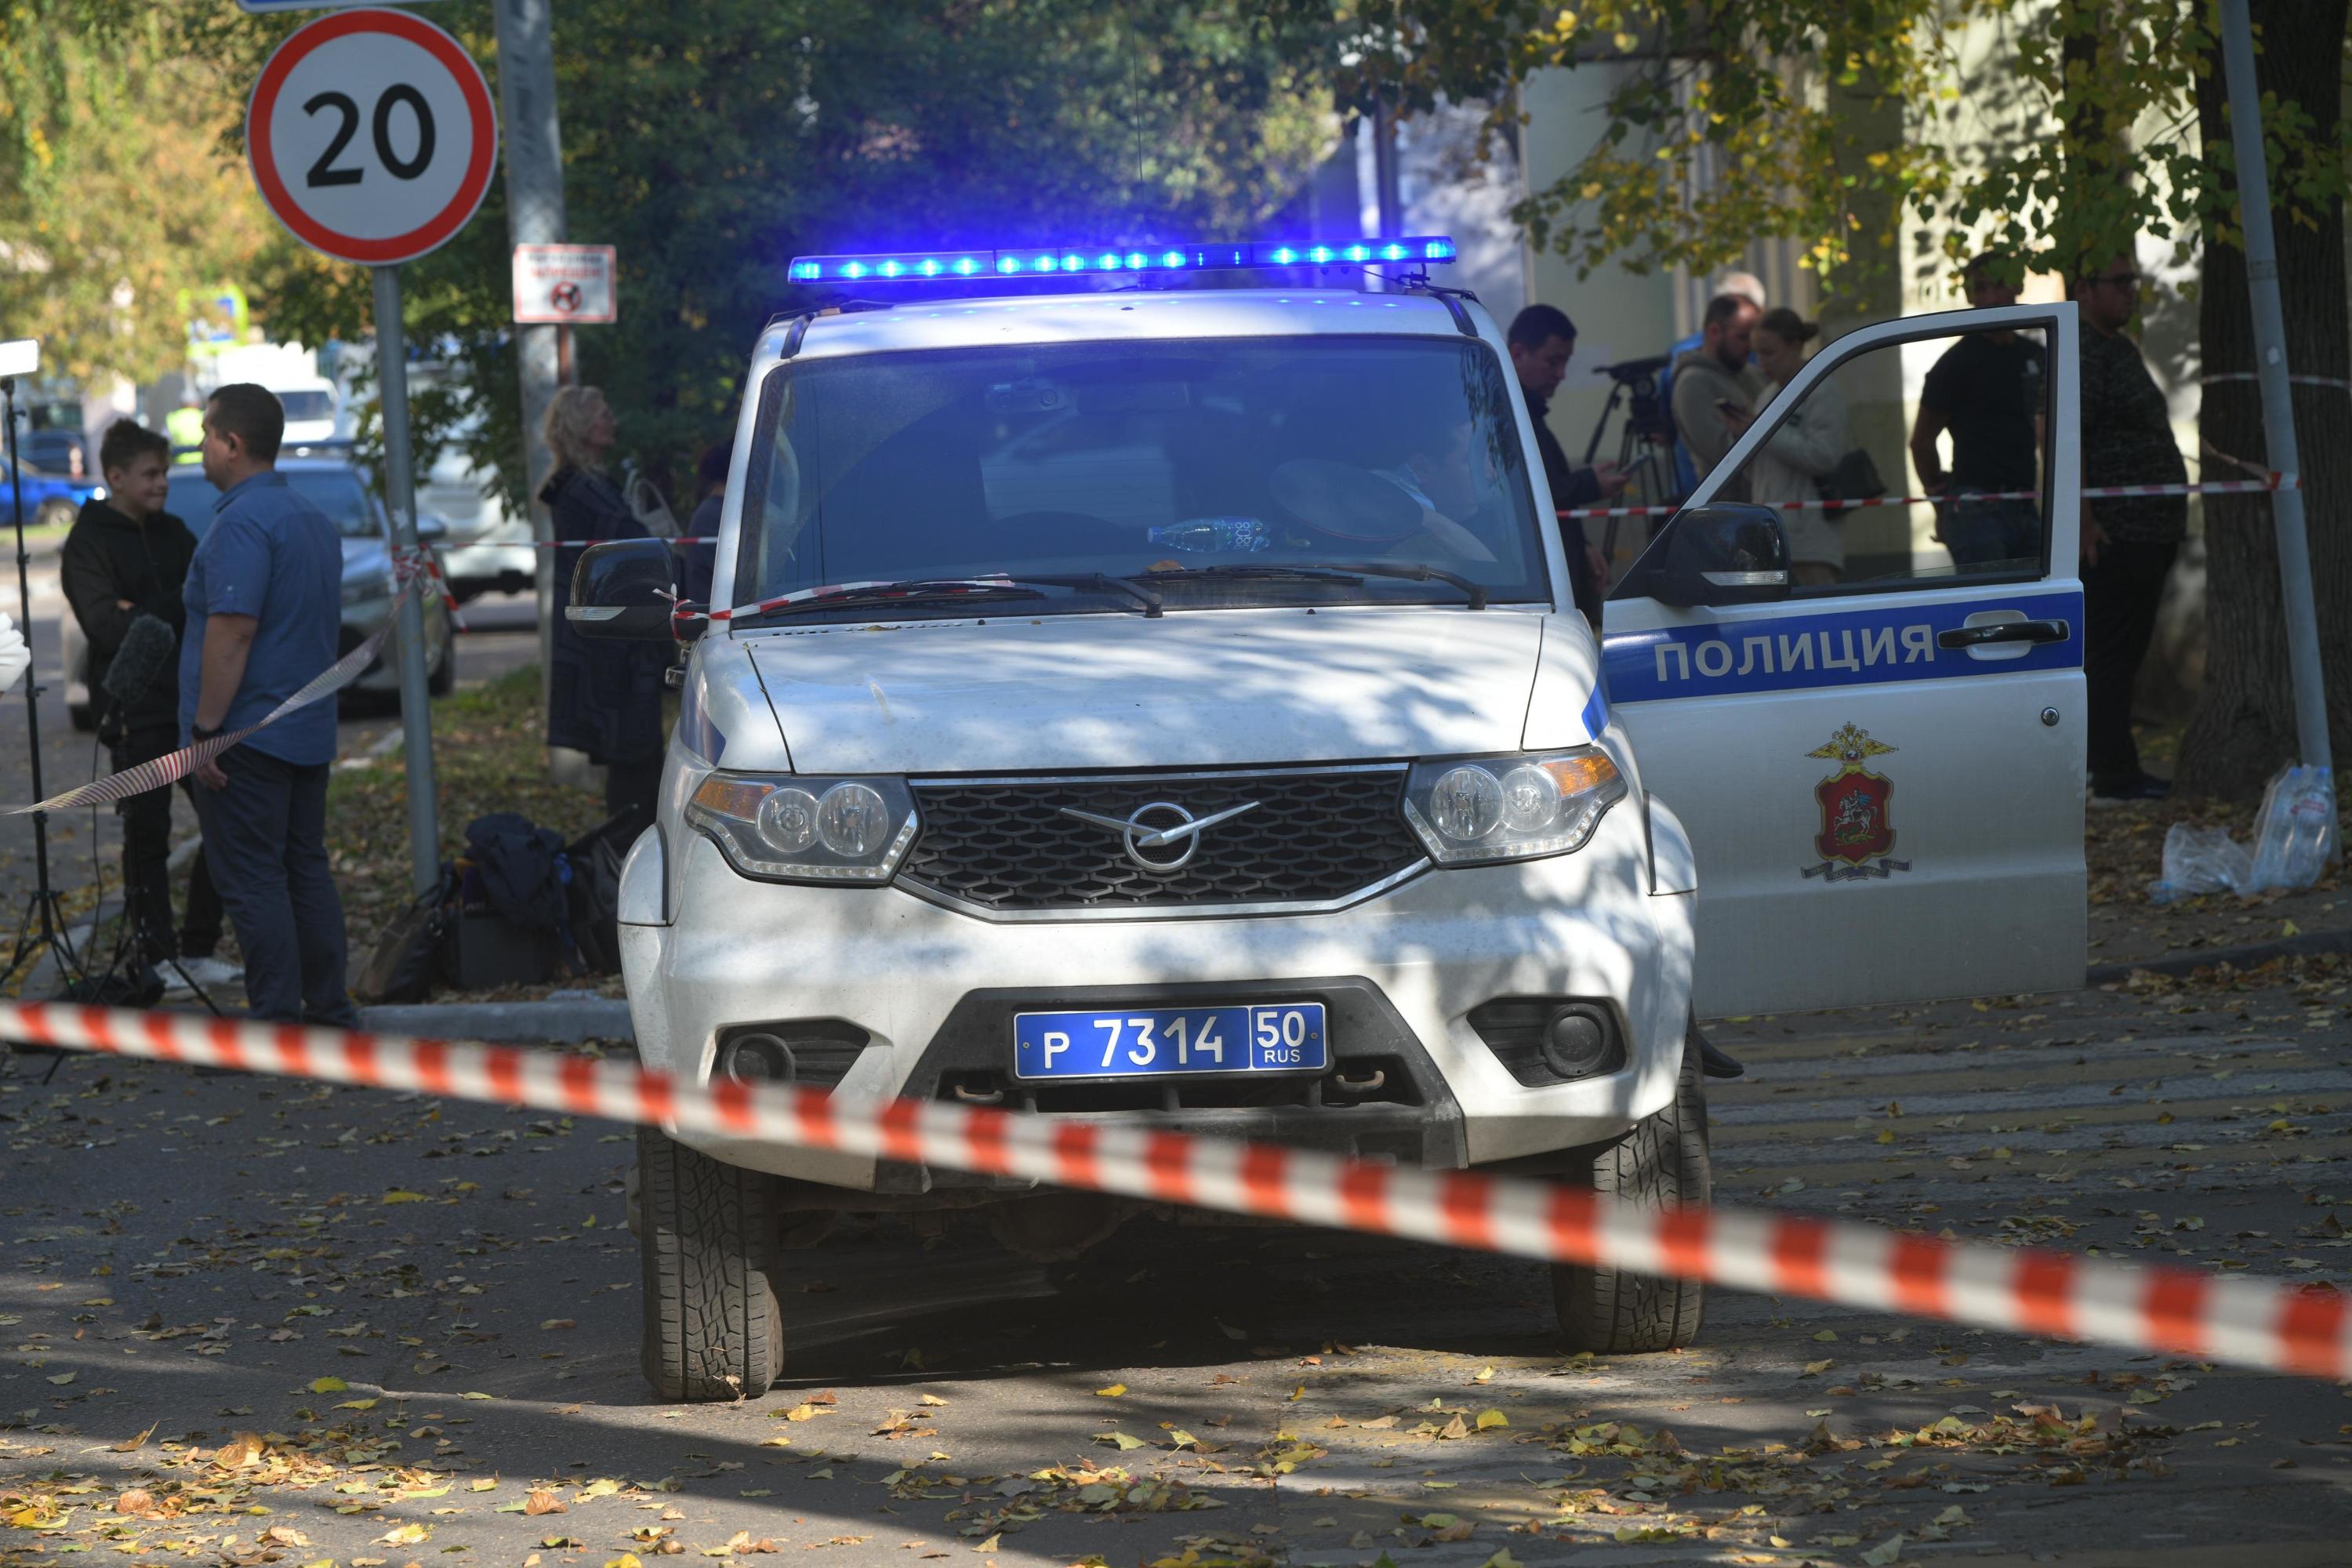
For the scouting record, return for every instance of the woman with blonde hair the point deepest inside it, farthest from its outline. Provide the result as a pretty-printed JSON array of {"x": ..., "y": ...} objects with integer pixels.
[{"x": 603, "y": 697}]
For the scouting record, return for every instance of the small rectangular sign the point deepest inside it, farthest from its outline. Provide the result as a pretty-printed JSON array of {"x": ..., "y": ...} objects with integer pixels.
[{"x": 566, "y": 284}]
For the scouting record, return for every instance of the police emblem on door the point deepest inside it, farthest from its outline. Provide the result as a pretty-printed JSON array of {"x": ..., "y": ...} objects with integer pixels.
[{"x": 1856, "y": 827}]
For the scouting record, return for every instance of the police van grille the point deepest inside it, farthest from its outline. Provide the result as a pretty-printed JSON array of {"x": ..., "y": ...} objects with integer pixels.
[{"x": 1003, "y": 848}]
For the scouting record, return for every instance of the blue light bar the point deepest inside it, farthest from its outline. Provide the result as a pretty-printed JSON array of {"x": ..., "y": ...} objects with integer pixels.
[{"x": 1097, "y": 260}]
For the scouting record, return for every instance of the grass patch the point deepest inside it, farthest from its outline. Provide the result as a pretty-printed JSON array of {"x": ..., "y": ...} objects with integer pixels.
[{"x": 490, "y": 754}]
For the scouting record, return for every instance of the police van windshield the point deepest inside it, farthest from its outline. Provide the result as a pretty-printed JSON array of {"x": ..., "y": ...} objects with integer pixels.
[{"x": 1166, "y": 459}]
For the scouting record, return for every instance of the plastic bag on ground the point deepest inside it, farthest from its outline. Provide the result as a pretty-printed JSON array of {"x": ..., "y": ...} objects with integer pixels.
[
  {"x": 2294, "y": 837},
  {"x": 2202, "y": 861}
]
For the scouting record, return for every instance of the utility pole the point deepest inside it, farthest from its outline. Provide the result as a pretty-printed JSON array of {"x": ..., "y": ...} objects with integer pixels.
[
  {"x": 534, "y": 148},
  {"x": 2270, "y": 375}
]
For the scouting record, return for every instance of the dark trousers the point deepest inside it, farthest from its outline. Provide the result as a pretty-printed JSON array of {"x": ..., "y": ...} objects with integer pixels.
[
  {"x": 2120, "y": 596},
  {"x": 266, "y": 836},
  {"x": 146, "y": 862},
  {"x": 633, "y": 785}
]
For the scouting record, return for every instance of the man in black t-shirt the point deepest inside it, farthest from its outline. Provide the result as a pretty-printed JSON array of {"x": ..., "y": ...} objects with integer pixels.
[{"x": 1986, "y": 391}]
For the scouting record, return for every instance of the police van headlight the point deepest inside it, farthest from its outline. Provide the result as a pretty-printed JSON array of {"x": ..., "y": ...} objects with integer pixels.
[
  {"x": 1476, "y": 811},
  {"x": 788, "y": 828}
]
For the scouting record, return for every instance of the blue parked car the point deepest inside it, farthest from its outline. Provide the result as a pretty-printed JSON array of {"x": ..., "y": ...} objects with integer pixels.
[{"x": 49, "y": 499}]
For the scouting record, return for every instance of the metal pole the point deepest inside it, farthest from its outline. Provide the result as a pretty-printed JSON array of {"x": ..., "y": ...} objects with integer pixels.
[
  {"x": 400, "y": 498},
  {"x": 535, "y": 154},
  {"x": 2271, "y": 374},
  {"x": 32, "y": 686}
]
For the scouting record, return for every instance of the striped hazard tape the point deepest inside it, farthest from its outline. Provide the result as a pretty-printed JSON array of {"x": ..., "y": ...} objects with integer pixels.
[
  {"x": 585, "y": 544},
  {"x": 172, "y": 767},
  {"x": 2272, "y": 1324},
  {"x": 2094, "y": 492}
]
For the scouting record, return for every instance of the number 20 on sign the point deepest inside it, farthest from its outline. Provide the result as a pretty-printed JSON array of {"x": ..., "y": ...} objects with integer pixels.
[{"x": 371, "y": 136}]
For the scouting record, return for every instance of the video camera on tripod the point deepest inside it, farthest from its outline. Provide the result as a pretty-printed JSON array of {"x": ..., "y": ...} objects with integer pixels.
[
  {"x": 1645, "y": 448},
  {"x": 1645, "y": 413}
]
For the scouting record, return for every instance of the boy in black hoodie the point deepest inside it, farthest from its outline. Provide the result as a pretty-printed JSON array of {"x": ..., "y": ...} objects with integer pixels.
[{"x": 126, "y": 557}]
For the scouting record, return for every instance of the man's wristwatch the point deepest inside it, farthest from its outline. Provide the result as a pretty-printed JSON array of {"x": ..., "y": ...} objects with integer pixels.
[{"x": 198, "y": 732}]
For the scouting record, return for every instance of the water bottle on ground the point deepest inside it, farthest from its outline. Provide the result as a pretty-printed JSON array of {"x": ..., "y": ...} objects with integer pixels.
[
  {"x": 1200, "y": 535},
  {"x": 2295, "y": 837}
]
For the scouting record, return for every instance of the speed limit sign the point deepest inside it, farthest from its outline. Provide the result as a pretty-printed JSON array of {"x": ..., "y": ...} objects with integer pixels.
[{"x": 371, "y": 136}]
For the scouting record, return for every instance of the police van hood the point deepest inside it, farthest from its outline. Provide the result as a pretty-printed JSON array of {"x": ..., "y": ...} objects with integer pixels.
[{"x": 1185, "y": 690}]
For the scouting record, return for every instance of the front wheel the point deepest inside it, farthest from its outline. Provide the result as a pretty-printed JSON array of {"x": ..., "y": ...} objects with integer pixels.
[
  {"x": 1663, "y": 1161},
  {"x": 707, "y": 1239}
]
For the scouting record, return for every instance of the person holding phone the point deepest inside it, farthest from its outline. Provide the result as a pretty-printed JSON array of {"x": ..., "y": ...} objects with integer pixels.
[{"x": 1717, "y": 390}]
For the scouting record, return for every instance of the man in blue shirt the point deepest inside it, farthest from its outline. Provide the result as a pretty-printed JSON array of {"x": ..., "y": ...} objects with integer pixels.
[{"x": 264, "y": 599}]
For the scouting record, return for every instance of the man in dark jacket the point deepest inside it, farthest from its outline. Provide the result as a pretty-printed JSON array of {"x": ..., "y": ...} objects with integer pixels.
[
  {"x": 125, "y": 558},
  {"x": 1541, "y": 340}
]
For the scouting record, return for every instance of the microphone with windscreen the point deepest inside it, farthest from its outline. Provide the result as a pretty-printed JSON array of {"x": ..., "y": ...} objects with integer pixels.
[{"x": 149, "y": 648}]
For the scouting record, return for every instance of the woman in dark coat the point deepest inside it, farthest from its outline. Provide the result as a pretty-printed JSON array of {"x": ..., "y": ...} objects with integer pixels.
[{"x": 603, "y": 697}]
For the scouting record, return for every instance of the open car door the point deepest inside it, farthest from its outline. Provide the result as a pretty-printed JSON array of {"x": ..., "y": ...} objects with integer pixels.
[{"x": 1882, "y": 776}]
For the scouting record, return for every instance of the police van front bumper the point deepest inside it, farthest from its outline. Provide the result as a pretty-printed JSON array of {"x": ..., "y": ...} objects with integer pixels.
[{"x": 1432, "y": 990}]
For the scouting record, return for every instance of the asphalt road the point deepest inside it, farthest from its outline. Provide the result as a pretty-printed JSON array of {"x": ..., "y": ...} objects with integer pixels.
[
  {"x": 502, "y": 637},
  {"x": 185, "y": 1257}
]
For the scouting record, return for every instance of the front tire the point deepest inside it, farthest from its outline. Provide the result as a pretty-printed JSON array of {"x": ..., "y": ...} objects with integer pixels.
[
  {"x": 708, "y": 1240},
  {"x": 1662, "y": 1162}
]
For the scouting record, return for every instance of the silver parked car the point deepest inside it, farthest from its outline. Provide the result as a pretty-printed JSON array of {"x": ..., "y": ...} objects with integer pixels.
[{"x": 338, "y": 490}]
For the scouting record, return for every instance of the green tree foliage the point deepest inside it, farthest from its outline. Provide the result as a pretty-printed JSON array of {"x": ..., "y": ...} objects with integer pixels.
[
  {"x": 116, "y": 194},
  {"x": 1733, "y": 121},
  {"x": 713, "y": 140}
]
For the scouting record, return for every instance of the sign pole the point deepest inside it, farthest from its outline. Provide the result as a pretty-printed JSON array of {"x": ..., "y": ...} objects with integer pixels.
[
  {"x": 400, "y": 498},
  {"x": 2271, "y": 374}
]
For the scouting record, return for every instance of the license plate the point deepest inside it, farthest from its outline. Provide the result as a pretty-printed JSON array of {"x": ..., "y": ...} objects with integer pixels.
[{"x": 1161, "y": 1042}]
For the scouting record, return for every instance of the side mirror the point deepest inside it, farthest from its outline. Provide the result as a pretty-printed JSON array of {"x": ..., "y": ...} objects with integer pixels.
[
  {"x": 623, "y": 589},
  {"x": 431, "y": 529},
  {"x": 1727, "y": 552}
]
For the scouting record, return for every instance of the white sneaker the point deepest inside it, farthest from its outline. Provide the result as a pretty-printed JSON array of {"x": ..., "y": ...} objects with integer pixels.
[{"x": 206, "y": 972}]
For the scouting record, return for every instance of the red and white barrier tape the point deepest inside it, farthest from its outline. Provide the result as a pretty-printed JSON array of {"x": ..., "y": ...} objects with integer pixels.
[
  {"x": 2098, "y": 492},
  {"x": 2276, "y": 1325},
  {"x": 172, "y": 767},
  {"x": 2211, "y": 377},
  {"x": 585, "y": 544}
]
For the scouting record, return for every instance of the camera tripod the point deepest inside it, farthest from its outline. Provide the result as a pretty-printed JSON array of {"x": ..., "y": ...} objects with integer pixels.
[
  {"x": 42, "y": 926},
  {"x": 1646, "y": 446}
]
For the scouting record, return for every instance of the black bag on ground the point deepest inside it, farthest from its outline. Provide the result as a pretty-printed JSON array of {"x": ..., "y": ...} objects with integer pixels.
[
  {"x": 511, "y": 918},
  {"x": 401, "y": 967},
  {"x": 596, "y": 858}
]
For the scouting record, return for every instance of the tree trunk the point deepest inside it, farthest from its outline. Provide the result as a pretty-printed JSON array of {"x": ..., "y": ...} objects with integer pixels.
[{"x": 2244, "y": 726}]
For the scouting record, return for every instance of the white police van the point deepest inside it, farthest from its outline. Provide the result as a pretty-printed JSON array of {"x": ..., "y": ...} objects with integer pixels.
[{"x": 1165, "y": 705}]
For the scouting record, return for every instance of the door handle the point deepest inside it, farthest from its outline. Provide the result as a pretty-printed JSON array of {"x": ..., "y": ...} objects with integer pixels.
[{"x": 2005, "y": 631}]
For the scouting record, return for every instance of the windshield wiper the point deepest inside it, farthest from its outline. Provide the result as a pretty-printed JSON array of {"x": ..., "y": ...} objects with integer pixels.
[
  {"x": 911, "y": 591},
  {"x": 1101, "y": 583},
  {"x": 1339, "y": 573},
  {"x": 937, "y": 590}
]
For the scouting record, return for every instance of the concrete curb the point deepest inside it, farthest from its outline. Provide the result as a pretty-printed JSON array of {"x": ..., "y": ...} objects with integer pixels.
[
  {"x": 562, "y": 1021},
  {"x": 2307, "y": 945}
]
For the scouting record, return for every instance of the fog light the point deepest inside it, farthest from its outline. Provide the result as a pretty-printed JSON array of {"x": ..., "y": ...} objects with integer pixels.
[
  {"x": 757, "y": 1058},
  {"x": 1576, "y": 1041}
]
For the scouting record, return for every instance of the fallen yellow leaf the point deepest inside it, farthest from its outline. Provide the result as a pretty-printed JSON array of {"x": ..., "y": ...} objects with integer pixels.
[{"x": 1113, "y": 1391}]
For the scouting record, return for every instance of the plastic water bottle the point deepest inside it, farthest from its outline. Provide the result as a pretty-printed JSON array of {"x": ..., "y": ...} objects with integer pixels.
[
  {"x": 1200, "y": 535},
  {"x": 2295, "y": 835}
]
